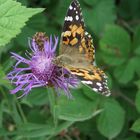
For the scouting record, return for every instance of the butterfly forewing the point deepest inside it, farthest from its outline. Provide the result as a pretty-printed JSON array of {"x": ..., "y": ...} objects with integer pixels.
[
  {"x": 75, "y": 41},
  {"x": 73, "y": 29}
]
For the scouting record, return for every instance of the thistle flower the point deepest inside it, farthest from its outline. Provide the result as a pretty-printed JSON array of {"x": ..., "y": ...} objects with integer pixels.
[{"x": 40, "y": 71}]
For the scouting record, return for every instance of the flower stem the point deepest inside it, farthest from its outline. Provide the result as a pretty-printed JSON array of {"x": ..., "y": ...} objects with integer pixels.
[
  {"x": 20, "y": 110},
  {"x": 5, "y": 96},
  {"x": 53, "y": 105}
]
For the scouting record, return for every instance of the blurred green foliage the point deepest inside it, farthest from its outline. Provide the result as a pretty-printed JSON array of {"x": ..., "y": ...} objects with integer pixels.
[{"x": 115, "y": 28}]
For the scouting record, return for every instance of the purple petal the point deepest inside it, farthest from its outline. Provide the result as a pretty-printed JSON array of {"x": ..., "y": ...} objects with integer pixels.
[{"x": 16, "y": 89}]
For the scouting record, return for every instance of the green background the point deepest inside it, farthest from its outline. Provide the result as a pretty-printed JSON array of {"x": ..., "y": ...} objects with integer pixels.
[{"x": 115, "y": 28}]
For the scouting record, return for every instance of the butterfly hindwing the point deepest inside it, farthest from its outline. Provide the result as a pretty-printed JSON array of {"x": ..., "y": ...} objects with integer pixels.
[{"x": 93, "y": 78}]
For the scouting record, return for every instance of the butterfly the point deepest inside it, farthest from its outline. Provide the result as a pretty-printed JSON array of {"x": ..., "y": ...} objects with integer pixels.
[{"x": 77, "y": 53}]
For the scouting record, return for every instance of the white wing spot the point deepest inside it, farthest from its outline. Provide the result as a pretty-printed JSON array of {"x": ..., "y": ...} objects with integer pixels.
[
  {"x": 89, "y": 36},
  {"x": 109, "y": 93},
  {"x": 87, "y": 82},
  {"x": 68, "y": 18},
  {"x": 105, "y": 76},
  {"x": 86, "y": 33},
  {"x": 71, "y": 7},
  {"x": 100, "y": 88},
  {"x": 74, "y": 8},
  {"x": 76, "y": 12},
  {"x": 95, "y": 89},
  {"x": 98, "y": 84},
  {"x": 105, "y": 83},
  {"x": 77, "y": 17}
]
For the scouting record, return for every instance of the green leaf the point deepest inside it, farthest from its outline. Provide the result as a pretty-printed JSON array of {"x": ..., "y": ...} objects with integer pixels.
[
  {"x": 12, "y": 18},
  {"x": 78, "y": 109},
  {"x": 100, "y": 15},
  {"x": 115, "y": 44},
  {"x": 136, "y": 41},
  {"x": 137, "y": 101},
  {"x": 36, "y": 23},
  {"x": 61, "y": 10},
  {"x": 137, "y": 50},
  {"x": 129, "y": 10},
  {"x": 3, "y": 80},
  {"x": 137, "y": 83},
  {"x": 31, "y": 130},
  {"x": 15, "y": 113},
  {"x": 135, "y": 63},
  {"x": 36, "y": 116},
  {"x": 88, "y": 128},
  {"x": 90, "y": 2},
  {"x": 124, "y": 73},
  {"x": 1, "y": 113},
  {"x": 37, "y": 96},
  {"x": 4, "y": 132},
  {"x": 111, "y": 120},
  {"x": 108, "y": 59},
  {"x": 136, "y": 126},
  {"x": 130, "y": 138},
  {"x": 63, "y": 126},
  {"x": 6, "y": 48}
]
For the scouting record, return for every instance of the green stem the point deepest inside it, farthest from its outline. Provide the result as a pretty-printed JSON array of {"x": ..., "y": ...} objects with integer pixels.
[
  {"x": 53, "y": 104},
  {"x": 5, "y": 96},
  {"x": 2, "y": 91},
  {"x": 20, "y": 110},
  {"x": 51, "y": 98}
]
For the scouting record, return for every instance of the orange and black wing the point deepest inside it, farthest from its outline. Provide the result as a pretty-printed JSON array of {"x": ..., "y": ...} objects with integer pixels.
[
  {"x": 77, "y": 44},
  {"x": 74, "y": 37},
  {"x": 94, "y": 78},
  {"x": 73, "y": 28}
]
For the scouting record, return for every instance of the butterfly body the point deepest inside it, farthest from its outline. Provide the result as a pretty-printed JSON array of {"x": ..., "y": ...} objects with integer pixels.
[{"x": 77, "y": 53}]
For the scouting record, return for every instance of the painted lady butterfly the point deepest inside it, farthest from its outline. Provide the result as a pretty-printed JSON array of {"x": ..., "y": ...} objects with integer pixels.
[{"x": 77, "y": 53}]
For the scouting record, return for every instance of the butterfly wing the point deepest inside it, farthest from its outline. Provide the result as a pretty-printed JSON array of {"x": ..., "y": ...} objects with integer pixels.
[
  {"x": 94, "y": 78},
  {"x": 75, "y": 41},
  {"x": 77, "y": 49},
  {"x": 73, "y": 28}
]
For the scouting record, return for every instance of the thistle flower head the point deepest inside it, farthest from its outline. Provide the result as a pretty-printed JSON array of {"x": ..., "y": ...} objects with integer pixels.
[{"x": 40, "y": 70}]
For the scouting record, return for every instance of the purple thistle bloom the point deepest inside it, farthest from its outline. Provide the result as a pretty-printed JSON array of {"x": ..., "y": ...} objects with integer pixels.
[{"x": 40, "y": 70}]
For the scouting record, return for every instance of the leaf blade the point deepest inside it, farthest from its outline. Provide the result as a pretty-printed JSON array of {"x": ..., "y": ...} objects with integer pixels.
[{"x": 12, "y": 18}]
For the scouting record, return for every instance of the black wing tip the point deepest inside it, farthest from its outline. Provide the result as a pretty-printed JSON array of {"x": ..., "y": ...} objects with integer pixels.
[
  {"x": 74, "y": 14},
  {"x": 75, "y": 3}
]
